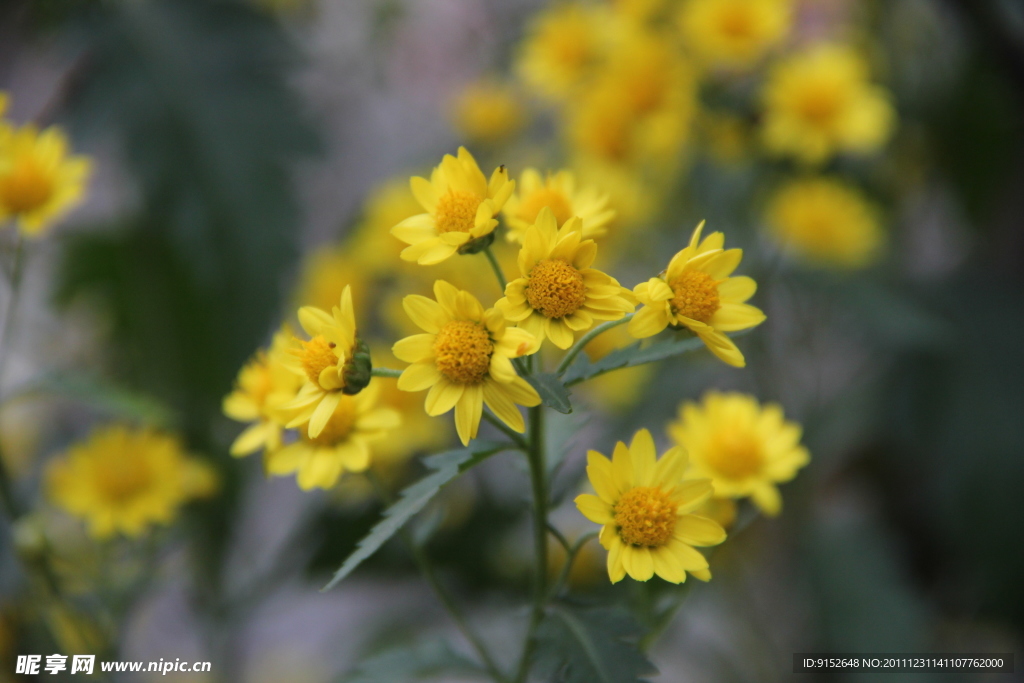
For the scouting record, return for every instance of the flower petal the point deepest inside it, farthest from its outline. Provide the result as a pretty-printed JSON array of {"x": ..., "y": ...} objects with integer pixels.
[
  {"x": 419, "y": 376},
  {"x": 594, "y": 509}
]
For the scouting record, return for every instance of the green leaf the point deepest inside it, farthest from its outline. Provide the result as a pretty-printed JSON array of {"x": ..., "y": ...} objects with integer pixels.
[
  {"x": 552, "y": 392},
  {"x": 589, "y": 646},
  {"x": 583, "y": 368},
  {"x": 446, "y": 466},
  {"x": 411, "y": 663}
]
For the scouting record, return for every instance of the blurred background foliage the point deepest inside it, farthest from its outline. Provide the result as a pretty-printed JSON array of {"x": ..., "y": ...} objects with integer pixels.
[{"x": 235, "y": 137}]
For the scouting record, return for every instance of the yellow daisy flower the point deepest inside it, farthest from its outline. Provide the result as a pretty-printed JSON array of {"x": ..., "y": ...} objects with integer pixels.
[
  {"x": 645, "y": 505},
  {"x": 563, "y": 43},
  {"x": 744, "y": 448},
  {"x": 825, "y": 221},
  {"x": 559, "y": 293},
  {"x": 326, "y": 272},
  {"x": 465, "y": 359},
  {"x": 334, "y": 362},
  {"x": 734, "y": 34},
  {"x": 342, "y": 444},
  {"x": 697, "y": 292},
  {"x": 488, "y": 112},
  {"x": 559, "y": 193},
  {"x": 39, "y": 181},
  {"x": 819, "y": 102},
  {"x": 460, "y": 207},
  {"x": 264, "y": 384},
  {"x": 123, "y": 480}
]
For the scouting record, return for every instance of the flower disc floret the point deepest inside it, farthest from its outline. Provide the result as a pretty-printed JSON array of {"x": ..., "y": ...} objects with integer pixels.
[
  {"x": 695, "y": 296},
  {"x": 463, "y": 350},
  {"x": 646, "y": 516},
  {"x": 456, "y": 211},
  {"x": 26, "y": 186},
  {"x": 316, "y": 355},
  {"x": 735, "y": 455},
  {"x": 555, "y": 288}
]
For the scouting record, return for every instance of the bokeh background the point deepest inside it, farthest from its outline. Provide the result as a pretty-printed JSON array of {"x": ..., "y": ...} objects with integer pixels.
[{"x": 250, "y": 157}]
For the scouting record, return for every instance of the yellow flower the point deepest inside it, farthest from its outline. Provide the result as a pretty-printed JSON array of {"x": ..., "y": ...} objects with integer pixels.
[
  {"x": 325, "y": 273},
  {"x": 559, "y": 293},
  {"x": 645, "y": 505},
  {"x": 465, "y": 359},
  {"x": 460, "y": 207},
  {"x": 744, "y": 448},
  {"x": 38, "y": 180},
  {"x": 488, "y": 112},
  {"x": 819, "y": 102},
  {"x": 331, "y": 361},
  {"x": 559, "y": 193},
  {"x": 563, "y": 43},
  {"x": 342, "y": 444},
  {"x": 124, "y": 480},
  {"x": 825, "y": 221},
  {"x": 734, "y": 34},
  {"x": 264, "y": 384},
  {"x": 697, "y": 292},
  {"x": 388, "y": 204}
]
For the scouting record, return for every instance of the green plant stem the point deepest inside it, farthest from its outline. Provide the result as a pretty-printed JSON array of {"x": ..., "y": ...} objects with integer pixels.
[
  {"x": 502, "y": 282},
  {"x": 570, "y": 557},
  {"x": 539, "y": 484},
  {"x": 516, "y": 438},
  {"x": 7, "y": 497},
  {"x": 426, "y": 568},
  {"x": 586, "y": 339},
  {"x": 386, "y": 372}
]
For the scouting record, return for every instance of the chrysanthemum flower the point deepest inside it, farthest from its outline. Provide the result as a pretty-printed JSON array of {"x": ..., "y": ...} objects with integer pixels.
[
  {"x": 697, "y": 292},
  {"x": 465, "y": 359},
  {"x": 563, "y": 43},
  {"x": 559, "y": 193},
  {"x": 488, "y": 112},
  {"x": 825, "y": 221},
  {"x": 123, "y": 480},
  {"x": 39, "y": 181},
  {"x": 461, "y": 205},
  {"x": 819, "y": 102},
  {"x": 733, "y": 34},
  {"x": 744, "y": 448},
  {"x": 264, "y": 384},
  {"x": 333, "y": 360},
  {"x": 646, "y": 506},
  {"x": 343, "y": 443},
  {"x": 559, "y": 293}
]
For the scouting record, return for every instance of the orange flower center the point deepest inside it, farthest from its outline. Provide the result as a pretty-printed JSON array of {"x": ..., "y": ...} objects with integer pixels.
[
  {"x": 735, "y": 454},
  {"x": 463, "y": 351},
  {"x": 555, "y": 288},
  {"x": 696, "y": 296},
  {"x": 645, "y": 516},
  {"x": 456, "y": 211},
  {"x": 27, "y": 186},
  {"x": 553, "y": 199},
  {"x": 339, "y": 426},
  {"x": 316, "y": 355},
  {"x": 128, "y": 479},
  {"x": 820, "y": 104}
]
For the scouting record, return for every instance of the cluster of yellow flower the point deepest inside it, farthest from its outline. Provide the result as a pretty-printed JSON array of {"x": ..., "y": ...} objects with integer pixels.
[
  {"x": 624, "y": 80},
  {"x": 468, "y": 357}
]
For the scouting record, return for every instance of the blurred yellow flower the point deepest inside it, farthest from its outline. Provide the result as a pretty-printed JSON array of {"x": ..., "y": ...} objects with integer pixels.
[
  {"x": 645, "y": 505},
  {"x": 825, "y": 221},
  {"x": 558, "y": 192},
  {"x": 460, "y": 207},
  {"x": 371, "y": 243},
  {"x": 819, "y": 102},
  {"x": 558, "y": 292},
  {"x": 465, "y": 359},
  {"x": 332, "y": 361},
  {"x": 488, "y": 112},
  {"x": 123, "y": 480},
  {"x": 697, "y": 292},
  {"x": 264, "y": 384},
  {"x": 733, "y": 34},
  {"x": 39, "y": 181},
  {"x": 563, "y": 43},
  {"x": 342, "y": 443},
  {"x": 744, "y": 448},
  {"x": 325, "y": 273}
]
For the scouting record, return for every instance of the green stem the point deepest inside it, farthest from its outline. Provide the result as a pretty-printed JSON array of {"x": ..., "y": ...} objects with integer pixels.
[
  {"x": 586, "y": 339},
  {"x": 426, "y": 568},
  {"x": 539, "y": 484},
  {"x": 497, "y": 269},
  {"x": 7, "y": 497},
  {"x": 570, "y": 557},
  {"x": 386, "y": 372},
  {"x": 517, "y": 438}
]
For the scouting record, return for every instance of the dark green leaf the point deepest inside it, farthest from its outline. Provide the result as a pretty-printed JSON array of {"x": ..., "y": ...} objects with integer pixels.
[
  {"x": 445, "y": 467},
  {"x": 412, "y": 663},
  {"x": 637, "y": 354},
  {"x": 552, "y": 392},
  {"x": 590, "y": 646}
]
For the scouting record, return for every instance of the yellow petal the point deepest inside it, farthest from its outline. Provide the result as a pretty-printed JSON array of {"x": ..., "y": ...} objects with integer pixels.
[
  {"x": 467, "y": 413},
  {"x": 318, "y": 420},
  {"x": 424, "y": 192},
  {"x": 723, "y": 263},
  {"x": 416, "y": 229},
  {"x": 594, "y": 509},
  {"x": 418, "y": 377},
  {"x": 648, "y": 321},
  {"x": 737, "y": 289},
  {"x": 602, "y": 477},
  {"x": 731, "y": 317},
  {"x": 501, "y": 404},
  {"x": 418, "y": 347},
  {"x": 666, "y": 567},
  {"x": 640, "y": 563},
  {"x": 766, "y": 496},
  {"x": 643, "y": 454},
  {"x": 251, "y": 439},
  {"x": 697, "y": 530},
  {"x": 426, "y": 313},
  {"x": 313, "y": 320},
  {"x": 443, "y": 396}
]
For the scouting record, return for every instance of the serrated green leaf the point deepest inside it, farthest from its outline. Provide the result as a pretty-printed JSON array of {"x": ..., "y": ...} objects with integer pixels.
[
  {"x": 412, "y": 663},
  {"x": 552, "y": 391},
  {"x": 590, "y": 646},
  {"x": 446, "y": 466}
]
